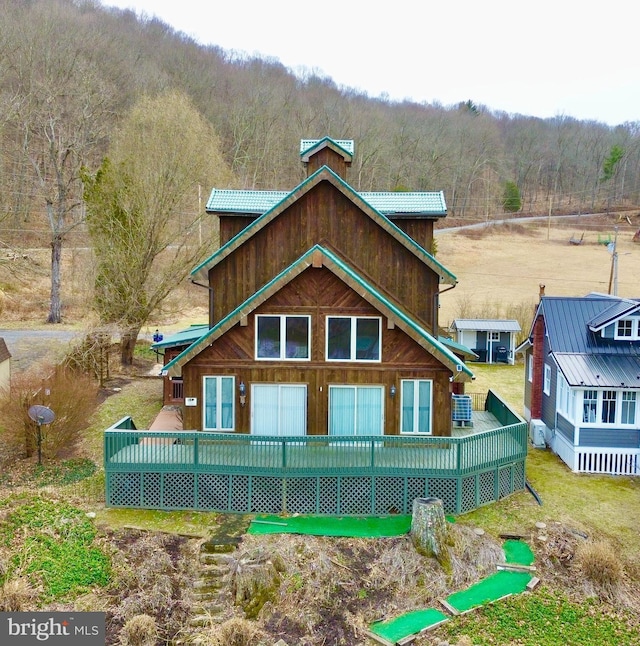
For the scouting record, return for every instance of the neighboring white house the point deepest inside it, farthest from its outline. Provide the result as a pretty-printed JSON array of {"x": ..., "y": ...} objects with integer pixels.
[
  {"x": 5, "y": 366},
  {"x": 493, "y": 340}
]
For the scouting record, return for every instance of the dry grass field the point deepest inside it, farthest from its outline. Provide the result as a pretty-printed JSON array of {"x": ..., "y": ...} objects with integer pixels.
[{"x": 501, "y": 267}]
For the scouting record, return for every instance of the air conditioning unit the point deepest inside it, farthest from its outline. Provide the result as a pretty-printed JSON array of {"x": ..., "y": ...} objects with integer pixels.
[{"x": 537, "y": 430}]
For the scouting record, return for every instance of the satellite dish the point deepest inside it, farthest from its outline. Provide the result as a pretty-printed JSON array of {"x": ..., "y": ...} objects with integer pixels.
[{"x": 41, "y": 414}]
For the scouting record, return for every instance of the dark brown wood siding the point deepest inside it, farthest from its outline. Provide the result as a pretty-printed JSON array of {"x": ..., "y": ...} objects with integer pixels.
[
  {"x": 325, "y": 216},
  {"x": 231, "y": 225},
  {"x": 420, "y": 229},
  {"x": 318, "y": 293},
  {"x": 327, "y": 157}
]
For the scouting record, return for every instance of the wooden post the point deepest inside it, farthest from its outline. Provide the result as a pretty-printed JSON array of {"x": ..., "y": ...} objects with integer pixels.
[{"x": 428, "y": 526}]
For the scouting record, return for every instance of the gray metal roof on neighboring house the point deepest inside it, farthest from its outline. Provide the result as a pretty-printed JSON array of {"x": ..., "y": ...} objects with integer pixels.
[
  {"x": 488, "y": 325},
  {"x": 567, "y": 326},
  {"x": 599, "y": 371},
  {"x": 431, "y": 203},
  {"x": 619, "y": 308}
]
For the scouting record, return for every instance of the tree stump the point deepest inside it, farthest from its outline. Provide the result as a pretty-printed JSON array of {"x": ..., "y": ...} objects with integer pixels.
[{"x": 429, "y": 527}]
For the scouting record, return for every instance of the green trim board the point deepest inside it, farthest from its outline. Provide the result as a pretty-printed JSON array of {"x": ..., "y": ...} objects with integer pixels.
[{"x": 337, "y": 526}]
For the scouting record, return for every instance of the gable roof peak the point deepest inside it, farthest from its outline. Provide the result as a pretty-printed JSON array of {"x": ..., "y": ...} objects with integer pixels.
[{"x": 344, "y": 147}]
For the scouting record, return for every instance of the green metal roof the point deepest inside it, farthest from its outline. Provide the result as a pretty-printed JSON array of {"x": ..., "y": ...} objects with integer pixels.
[
  {"x": 351, "y": 277},
  {"x": 390, "y": 203},
  {"x": 183, "y": 337},
  {"x": 325, "y": 174},
  {"x": 307, "y": 145}
]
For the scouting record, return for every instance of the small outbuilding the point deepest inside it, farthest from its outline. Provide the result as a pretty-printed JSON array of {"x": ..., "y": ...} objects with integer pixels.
[{"x": 493, "y": 340}]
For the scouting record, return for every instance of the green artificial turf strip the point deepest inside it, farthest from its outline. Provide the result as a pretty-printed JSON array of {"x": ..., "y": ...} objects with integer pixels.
[
  {"x": 346, "y": 526},
  {"x": 490, "y": 589},
  {"x": 408, "y": 624},
  {"x": 518, "y": 552}
]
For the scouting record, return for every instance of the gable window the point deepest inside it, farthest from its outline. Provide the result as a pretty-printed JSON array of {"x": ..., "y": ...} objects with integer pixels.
[
  {"x": 628, "y": 329},
  {"x": 547, "y": 379},
  {"x": 283, "y": 337},
  {"x": 589, "y": 406},
  {"x": 353, "y": 338},
  {"x": 416, "y": 406},
  {"x": 219, "y": 404}
]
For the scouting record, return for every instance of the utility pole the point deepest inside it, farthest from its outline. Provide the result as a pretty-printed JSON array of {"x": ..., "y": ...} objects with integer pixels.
[{"x": 613, "y": 276}]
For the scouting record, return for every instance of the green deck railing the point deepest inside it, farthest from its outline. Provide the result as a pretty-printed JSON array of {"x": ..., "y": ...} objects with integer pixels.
[{"x": 174, "y": 469}]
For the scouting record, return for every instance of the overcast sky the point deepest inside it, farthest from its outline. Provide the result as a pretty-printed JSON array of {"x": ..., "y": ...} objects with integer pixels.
[{"x": 544, "y": 59}]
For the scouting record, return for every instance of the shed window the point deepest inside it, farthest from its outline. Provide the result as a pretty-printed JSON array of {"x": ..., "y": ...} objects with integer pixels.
[
  {"x": 283, "y": 337},
  {"x": 353, "y": 338}
]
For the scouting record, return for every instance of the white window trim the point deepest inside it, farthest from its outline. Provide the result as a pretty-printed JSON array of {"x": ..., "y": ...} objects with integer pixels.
[
  {"x": 283, "y": 337},
  {"x": 494, "y": 336},
  {"x": 416, "y": 410},
  {"x": 530, "y": 367},
  {"x": 635, "y": 330},
  {"x": 218, "y": 379},
  {"x": 617, "y": 423},
  {"x": 546, "y": 388},
  {"x": 353, "y": 348}
]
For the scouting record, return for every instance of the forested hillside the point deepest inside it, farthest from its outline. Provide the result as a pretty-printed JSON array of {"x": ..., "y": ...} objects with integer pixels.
[{"x": 69, "y": 68}]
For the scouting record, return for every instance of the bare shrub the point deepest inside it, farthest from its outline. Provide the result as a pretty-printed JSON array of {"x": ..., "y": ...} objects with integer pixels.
[
  {"x": 92, "y": 355},
  {"x": 140, "y": 630},
  {"x": 17, "y": 595},
  {"x": 234, "y": 632},
  {"x": 600, "y": 565},
  {"x": 152, "y": 580},
  {"x": 72, "y": 397}
]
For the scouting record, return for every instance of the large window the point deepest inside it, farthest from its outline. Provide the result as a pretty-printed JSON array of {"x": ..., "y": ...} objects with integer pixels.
[
  {"x": 356, "y": 410},
  {"x": 279, "y": 409},
  {"x": 283, "y": 337},
  {"x": 219, "y": 403},
  {"x": 565, "y": 398},
  {"x": 589, "y": 406},
  {"x": 609, "y": 407},
  {"x": 415, "y": 406},
  {"x": 353, "y": 338},
  {"x": 628, "y": 408}
]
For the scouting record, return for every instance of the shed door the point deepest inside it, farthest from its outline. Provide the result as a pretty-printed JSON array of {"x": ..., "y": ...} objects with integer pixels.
[{"x": 279, "y": 409}]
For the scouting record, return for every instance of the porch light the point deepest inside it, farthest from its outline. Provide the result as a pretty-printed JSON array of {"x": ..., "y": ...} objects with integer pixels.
[
  {"x": 392, "y": 391},
  {"x": 242, "y": 389}
]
